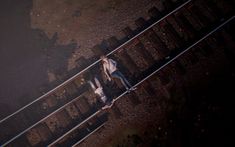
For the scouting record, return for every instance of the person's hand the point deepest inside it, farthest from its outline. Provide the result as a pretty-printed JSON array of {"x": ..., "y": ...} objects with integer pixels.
[{"x": 109, "y": 79}]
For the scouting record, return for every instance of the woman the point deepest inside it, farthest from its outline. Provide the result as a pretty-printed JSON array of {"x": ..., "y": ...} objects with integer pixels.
[{"x": 111, "y": 71}]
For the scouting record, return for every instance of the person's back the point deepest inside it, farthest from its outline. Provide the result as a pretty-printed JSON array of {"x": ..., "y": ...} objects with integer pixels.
[{"x": 110, "y": 65}]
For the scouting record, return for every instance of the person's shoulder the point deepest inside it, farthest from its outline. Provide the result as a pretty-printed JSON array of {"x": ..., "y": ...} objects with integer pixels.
[{"x": 112, "y": 60}]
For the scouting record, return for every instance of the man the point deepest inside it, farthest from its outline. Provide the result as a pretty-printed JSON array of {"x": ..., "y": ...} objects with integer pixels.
[
  {"x": 98, "y": 89},
  {"x": 111, "y": 71}
]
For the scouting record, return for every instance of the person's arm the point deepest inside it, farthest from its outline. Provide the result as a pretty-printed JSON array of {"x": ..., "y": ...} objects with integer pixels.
[{"x": 105, "y": 71}]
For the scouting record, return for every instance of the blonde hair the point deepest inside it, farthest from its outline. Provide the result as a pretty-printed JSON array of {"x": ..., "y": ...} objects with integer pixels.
[{"x": 103, "y": 56}]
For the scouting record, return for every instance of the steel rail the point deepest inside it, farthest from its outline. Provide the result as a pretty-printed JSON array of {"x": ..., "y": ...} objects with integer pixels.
[
  {"x": 88, "y": 135},
  {"x": 94, "y": 63},
  {"x": 168, "y": 62},
  {"x": 57, "y": 110},
  {"x": 74, "y": 128}
]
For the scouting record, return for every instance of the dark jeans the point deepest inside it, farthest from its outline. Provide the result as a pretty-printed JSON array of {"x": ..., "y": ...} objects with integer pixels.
[{"x": 119, "y": 75}]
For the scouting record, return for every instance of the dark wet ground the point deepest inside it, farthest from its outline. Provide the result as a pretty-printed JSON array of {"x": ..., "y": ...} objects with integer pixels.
[
  {"x": 26, "y": 55},
  {"x": 207, "y": 118}
]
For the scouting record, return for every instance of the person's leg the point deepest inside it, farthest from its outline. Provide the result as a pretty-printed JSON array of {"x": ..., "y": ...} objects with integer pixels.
[
  {"x": 119, "y": 75},
  {"x": 127, "y": 82},
  {"x": 124, "y": 79},
  {"x": 104, "y": 99},
  {"x": 97, "y": 82},
  {"x": 92, "y": 85}
]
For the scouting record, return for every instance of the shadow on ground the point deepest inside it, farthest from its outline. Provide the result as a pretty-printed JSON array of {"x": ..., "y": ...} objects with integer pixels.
[{"x": 26, "y": 55}]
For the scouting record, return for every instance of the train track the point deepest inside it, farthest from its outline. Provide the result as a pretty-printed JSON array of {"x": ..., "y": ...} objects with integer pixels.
[
  {"x": 67, "y": 140},
  {"x": 70, "y": 106}
]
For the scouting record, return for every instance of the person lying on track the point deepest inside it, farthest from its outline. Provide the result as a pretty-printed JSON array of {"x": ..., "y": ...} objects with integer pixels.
[
  {"x": 98, "y": 89},
  {"x": 111, "y": 71}
]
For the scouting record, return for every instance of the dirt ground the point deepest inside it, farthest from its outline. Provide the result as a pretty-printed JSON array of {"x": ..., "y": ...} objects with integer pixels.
[
  {"x": 87, "y": 22},
  {"x": 41, "y": 38}
]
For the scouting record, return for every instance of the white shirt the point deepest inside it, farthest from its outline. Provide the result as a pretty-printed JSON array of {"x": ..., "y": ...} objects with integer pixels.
[
  {"x": 110, "y": 66},
  {"x": 100, "y": 92}
]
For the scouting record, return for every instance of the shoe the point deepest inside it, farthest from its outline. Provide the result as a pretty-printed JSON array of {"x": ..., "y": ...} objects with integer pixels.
[
  {"x": 133, "y": 88},
  {"x": 108, "y": 105},
  {"x": 111, "y": 104},
  {"x": 105, "y": 107},
  {"x": 128, "y": 90},
  {"x": 168, "y": 57},
  {"x": 112, "y": 101}
]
